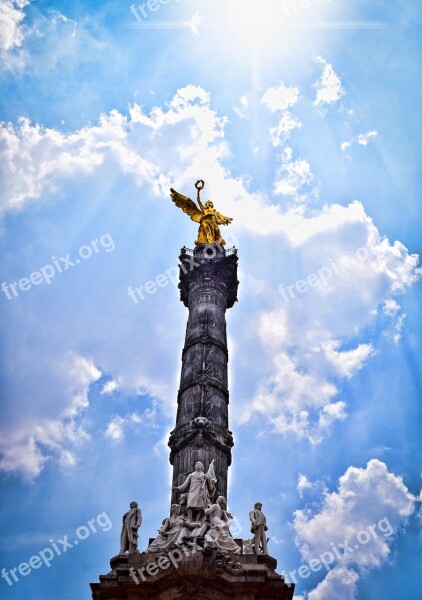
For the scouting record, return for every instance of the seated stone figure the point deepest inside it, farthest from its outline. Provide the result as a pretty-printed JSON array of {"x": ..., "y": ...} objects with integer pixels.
[
  {"x": 171, "y": 533},
  {"x": 218, "y": 535}
]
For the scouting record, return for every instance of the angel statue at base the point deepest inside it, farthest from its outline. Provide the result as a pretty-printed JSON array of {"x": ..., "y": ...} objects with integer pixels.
[{"x": 206, "y": 215}]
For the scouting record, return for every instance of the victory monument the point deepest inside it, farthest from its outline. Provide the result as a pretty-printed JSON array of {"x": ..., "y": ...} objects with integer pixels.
[{"x": 194, "y": 555}]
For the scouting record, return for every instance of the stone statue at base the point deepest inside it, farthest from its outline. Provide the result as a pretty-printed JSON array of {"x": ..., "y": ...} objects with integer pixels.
[
  {"x": 131, "y": 523},
  {"x": 218, "y": 535},
  {"x": 258, "y": 528},
  {"x": 200, "y": 487},
  {"x": 171, "y": 533}
]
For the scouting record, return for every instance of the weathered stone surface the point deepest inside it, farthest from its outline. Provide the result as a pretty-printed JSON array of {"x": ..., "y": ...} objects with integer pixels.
[
  {"x": 201, "y": 576},
  {"x": 208, "y": 286}
]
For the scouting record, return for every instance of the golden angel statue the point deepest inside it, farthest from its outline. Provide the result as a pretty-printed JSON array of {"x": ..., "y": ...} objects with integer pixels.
[{"x": 206, "y": 215}]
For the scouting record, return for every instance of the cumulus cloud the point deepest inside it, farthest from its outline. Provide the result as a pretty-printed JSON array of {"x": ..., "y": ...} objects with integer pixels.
[
  {"x": 36, "y": 159},
  {"x": 110, "y": 386},
  {"x": 307, "y": 344},
  {"x": 12, "y": 30},
  {"x": 329, "y": 89},
  {"x": 50, "y": 429},
  {"x": 365, "y": 496},
  {"x": 57, "y": 32},
  {"x": 317, "y": 335},
  {"x": 349, "y": 361},
  {"x": 340, "y": 583},
  {"x": 280, "y": 97},
  {"x": 360, "y": 521},
  {"x": 37, "y": 163}
]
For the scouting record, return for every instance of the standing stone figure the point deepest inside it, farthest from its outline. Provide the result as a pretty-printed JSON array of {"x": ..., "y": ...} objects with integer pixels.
[
  {"x": 199, "y": 486},
  {"x": 258, "y": 528},
  {"x": 131, "y": 523},
  {"x": 218, "y": 536}
]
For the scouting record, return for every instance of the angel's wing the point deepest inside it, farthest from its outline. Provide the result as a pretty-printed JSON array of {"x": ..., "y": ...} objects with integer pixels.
[
  {"x": 187, "y": 205},
  {"x": 222, "y": 220}
]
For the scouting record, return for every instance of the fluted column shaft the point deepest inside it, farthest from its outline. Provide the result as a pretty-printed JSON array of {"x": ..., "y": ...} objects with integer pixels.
[{"x": 208, "y": 286}]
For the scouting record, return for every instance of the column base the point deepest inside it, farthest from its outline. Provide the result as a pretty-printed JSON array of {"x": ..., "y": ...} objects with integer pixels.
[{"x": 199, "y": 576}]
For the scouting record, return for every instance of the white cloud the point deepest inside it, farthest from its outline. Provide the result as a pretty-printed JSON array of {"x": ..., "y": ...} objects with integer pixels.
[
  {"x": 340, "y": 583},
  {"x": 294, "y": 178},
  {"x": 303, "y": 483},
  {"x": 349, "y": 361},
  {"x": 360, "y": 521},
  {"x": 47, "y": 431},
  {"x": 194, "y": 22},
  {"x": 310, "y": 489},
  {"x": 243, "y": 109},
  {"x": 334, "y": 411},
  {"x": 280, "y": 97},
  {"x": 362, "y": 140},
  {"x": 12, "y": 30},
  {"x": 57, "y": 32},
  {"x": 316, "y": 337},
  {"x": 116, "y": 427},
  {"x": 365, "y": 497},
  {"x": 110, "y": 386},
  {"x": 329, "y": 88},
  {"x": 281, "y": 132},
  {"x": 391, "y": 307},
  {"x": 37, "y": 160}
]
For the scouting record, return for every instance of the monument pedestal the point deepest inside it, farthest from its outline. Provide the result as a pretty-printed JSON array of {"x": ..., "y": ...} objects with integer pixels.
[{"x": 202, "y": 575}]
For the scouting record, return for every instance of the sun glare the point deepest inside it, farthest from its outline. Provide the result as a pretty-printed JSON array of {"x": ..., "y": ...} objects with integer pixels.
[{"x": 257, "y": 22}]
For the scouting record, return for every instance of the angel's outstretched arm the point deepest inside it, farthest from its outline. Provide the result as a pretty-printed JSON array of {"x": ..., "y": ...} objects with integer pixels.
[{"x": 222, "y": 220}]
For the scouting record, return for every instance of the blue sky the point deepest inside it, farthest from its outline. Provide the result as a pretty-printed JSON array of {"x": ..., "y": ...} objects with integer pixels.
[{"x": 304, "y": 120}]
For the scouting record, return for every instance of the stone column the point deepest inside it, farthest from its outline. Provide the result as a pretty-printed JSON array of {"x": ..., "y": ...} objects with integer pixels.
[{"x": 208, "y": 286}]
